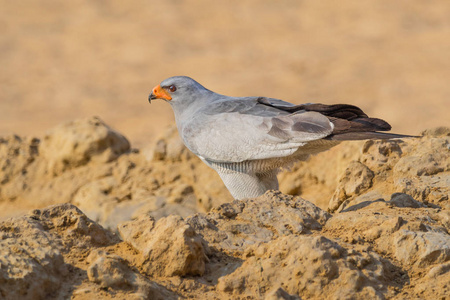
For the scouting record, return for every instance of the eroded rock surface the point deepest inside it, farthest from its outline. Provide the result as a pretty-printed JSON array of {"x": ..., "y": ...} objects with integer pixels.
[
  {"x": 169, "y": 247},
  {"x": 311, "y": 266},
  {"x": 372, "y": 221},
  {"x": 87, "y": 163},
  {"x": 239, "y": 224},
  {"x": 33, "y": 250},
  {"x": 75, "y": 143},
  {"x": 419, "y": 167}
]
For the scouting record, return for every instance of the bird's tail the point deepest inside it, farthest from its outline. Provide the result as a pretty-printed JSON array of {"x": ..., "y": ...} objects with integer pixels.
[
  {"x": 351, "y": 123},
  {"x": 353, "y": 136}
]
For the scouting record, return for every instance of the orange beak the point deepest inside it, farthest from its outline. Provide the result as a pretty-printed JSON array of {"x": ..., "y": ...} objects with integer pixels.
[{"x": 159, "y": 93}]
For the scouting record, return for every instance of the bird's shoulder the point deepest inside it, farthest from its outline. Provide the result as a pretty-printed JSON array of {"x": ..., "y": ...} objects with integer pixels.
[{"x": 254, "y": 106}]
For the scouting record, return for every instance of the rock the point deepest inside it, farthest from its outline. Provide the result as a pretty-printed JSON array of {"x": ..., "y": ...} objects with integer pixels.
[
  {"x": 109, "y": 270},
  {"x": 41, "y": 252},
  {"x": 73, "y": 226},
  {"x": 388, "y": 236},
  {"x": 138, "y": 231},
  {"x": 404, "y": 200},
  {"x": 32, "y": 249},
  {"x": 317, "y": 178},
  {"x": 76, "y": 143},
  {"x": 421, "y": 248},
  {"x": 94, "y": 197},
  {"x": 31, "y": 263},
  {"x": 437, "y": 131},
  {"x": 357, "y": 178},
  {"x": 86, "y": 163},
  {"x": 440, "y": 287},
  {"x": 307, "y": 266},
  {"x": 423, "y": 165},
  {"x": 112, "y": 271},
  {"x": 370, "y": 198},
  {"x": 431, "y": 190},
  {"x": 444, "y": 218},
  {"x": 425, "y": 172},
  {"x": 169, "y": 147},
  {"x": 439, "y": 270},
  {"x": 181, "y": 210},
  {"x": 280, "y": 294},
  {"x": 415, "y": 238},
  {"x": 364, "y": 225},
  {"x": 242, "y": 223},
  {"x": 169, "y": 247},
  {"x": 381, "y": 155},
  {"x": 417, "y": 167},
  {"x": 16, "y": 154}
]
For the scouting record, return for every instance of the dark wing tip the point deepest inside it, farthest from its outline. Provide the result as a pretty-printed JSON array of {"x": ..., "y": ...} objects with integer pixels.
[
  {"x": 374, "y": 123},
  {"x": 353, "y": 136},
  {"x": 350, "y": 122}
]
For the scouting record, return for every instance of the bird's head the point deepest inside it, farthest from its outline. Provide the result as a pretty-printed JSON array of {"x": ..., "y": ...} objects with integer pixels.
[{"x": 178, "y": 91}]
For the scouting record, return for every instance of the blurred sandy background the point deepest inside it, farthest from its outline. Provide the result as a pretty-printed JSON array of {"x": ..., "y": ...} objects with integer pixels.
[{"x": 62, "y": 60}]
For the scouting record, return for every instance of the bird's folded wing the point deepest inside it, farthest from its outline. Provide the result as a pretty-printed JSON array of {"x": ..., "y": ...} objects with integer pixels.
[
  {"x": 350, "y": 122},
  {"x": 235, "y": 132},
  {"x": 239, "y": 129}
]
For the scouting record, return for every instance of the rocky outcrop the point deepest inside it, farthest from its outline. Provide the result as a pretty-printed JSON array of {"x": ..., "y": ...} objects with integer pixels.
[
  {"x": 34, "y": 249},
  {"x": 92, "y": 166},
  {"x": 372, "y": 221},
  {"x": 169, "y": 247},
  {"x": 110, "y": 271},
  {"x": 310, "y": 266},
  {"x": 76, "y": 143},
  {"x": 57, "y": 252},
  {"x": 234, "y": 226},
  {"x": 375, "y": 252}
]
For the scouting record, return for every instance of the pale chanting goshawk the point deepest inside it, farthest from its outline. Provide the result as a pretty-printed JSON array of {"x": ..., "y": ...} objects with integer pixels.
[{"x": 247, "y": 140}]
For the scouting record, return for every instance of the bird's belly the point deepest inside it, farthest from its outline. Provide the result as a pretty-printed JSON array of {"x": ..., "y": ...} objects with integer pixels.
[{"x": 259, "y": 166}]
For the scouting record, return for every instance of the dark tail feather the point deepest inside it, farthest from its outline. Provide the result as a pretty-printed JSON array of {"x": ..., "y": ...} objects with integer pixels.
[
  {"x": 353, "y": 136},
  {"x": 350, "y": 122}
]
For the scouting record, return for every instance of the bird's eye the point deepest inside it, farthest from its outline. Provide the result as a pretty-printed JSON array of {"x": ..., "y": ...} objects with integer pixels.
[{"x": 172, "y": 88}]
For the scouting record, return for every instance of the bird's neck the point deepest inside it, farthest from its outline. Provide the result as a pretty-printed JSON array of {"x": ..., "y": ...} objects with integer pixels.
[{"x": 188, "y": 108}]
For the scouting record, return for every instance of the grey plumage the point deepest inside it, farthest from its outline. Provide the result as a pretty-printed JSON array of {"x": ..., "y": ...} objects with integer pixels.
[{"x": 247, "y": 140}]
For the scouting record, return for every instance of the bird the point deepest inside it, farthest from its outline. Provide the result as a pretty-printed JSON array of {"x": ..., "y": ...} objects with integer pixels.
[{"x": 248, "y": 140}]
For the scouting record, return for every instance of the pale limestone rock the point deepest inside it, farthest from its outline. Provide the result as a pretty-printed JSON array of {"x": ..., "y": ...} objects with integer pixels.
[
  {"x": 31, "y": 263},
  {"x": 404, "y": 200},
  {"x": 309, "y": 266},
  {"x": 169, "y": 147},
  {"x": 435, "y": 284},
  {"x": 32, "y": 249},
  {"x": 402, "y": 216},
  {"x": 169, "y": 247},
  {"x": 413, "y": 236},
  {"x": 356, "y": 179},
  {"x": 280, "y": 294},
  {"x": 112, "y": 271},
  {"x": 78, "y": 142},
  {"x": 239, "y": 224},
  {"x": 421, "y": 248}
]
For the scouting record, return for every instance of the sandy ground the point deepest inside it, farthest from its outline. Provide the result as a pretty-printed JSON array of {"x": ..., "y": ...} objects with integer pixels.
[{"x": 65, "y": 60}]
